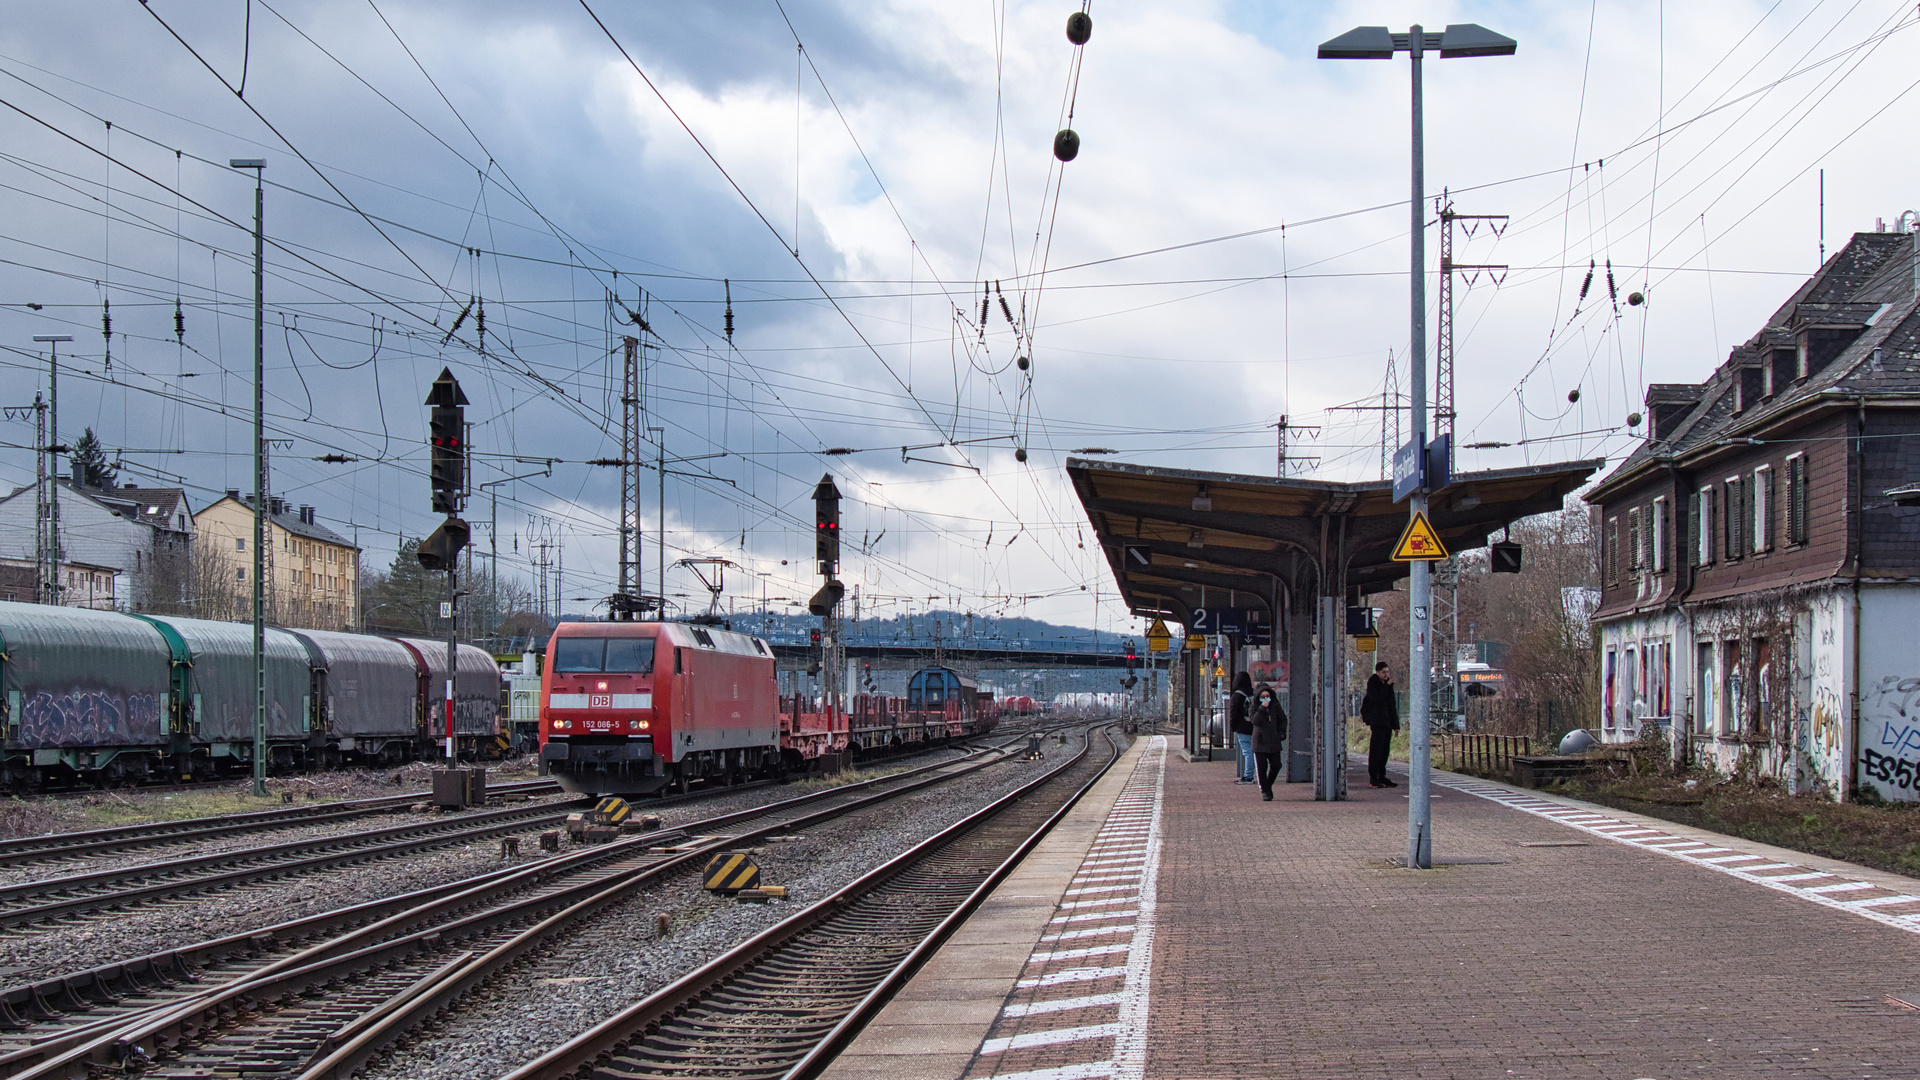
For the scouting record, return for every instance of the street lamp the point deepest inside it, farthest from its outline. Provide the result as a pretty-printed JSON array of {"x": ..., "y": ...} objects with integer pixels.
[
  {"x": 1379, "y": 43},
  {"x": 259, "y": 167},
  {"x": 51, "y": 583}
]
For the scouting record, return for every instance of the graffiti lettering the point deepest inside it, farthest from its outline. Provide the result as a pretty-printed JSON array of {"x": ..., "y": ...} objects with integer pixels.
[
  {"x": 88, "y": 718},
  {"x": 1897, "y": 772}
]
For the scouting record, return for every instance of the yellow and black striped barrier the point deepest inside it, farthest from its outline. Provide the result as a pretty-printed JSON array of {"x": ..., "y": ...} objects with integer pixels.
[
  {"x": 729, "y": 872},
  {"x": 612, "y": 810}
]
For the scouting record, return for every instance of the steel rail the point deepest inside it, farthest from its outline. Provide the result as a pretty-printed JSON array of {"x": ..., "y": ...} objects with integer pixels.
[
  {"x": 47, "y": 846},
  {"x": 129, "y": 1036},
  {"x": 732, "y": 983},
  {"x": 258, "y": 863},
  {"x": 354, "y": 1051}
]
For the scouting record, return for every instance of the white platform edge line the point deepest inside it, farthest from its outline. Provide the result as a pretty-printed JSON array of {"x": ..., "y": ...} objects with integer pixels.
[{"x": 1499, "y": 796}]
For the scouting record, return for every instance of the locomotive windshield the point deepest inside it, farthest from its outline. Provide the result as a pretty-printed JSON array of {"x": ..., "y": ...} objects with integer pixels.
[{"x": 577, "y": 655}]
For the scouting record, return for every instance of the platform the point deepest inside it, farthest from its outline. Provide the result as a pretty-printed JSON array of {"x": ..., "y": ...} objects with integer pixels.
[{"x": 1176, "y": 927}]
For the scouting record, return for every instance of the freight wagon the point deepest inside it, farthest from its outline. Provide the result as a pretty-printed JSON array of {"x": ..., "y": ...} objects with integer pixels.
[{"x": 98, "y": 697}]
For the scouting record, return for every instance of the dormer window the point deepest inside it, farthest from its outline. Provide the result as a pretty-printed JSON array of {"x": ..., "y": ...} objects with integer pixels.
[{"x": 1749, "y": 386}]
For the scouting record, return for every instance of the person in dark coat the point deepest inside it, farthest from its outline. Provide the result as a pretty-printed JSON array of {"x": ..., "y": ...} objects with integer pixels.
[
  {"x": 1237, "y": 708},
  {"x": 1381, "y": 713},
  {"x": 1269, "y": 723}
]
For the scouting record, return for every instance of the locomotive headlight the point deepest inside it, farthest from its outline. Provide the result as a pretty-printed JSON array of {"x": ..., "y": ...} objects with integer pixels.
[
  {"x": 640, "y": 725},
  {"x": 601, "y": 685}
]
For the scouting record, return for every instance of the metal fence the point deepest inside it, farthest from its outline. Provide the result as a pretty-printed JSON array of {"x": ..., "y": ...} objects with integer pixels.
[{"x": 1482, "y": 753}]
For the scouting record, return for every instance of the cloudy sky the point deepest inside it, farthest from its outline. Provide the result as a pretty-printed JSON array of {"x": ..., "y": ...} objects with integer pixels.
[{"x": 1229, "y": 247}]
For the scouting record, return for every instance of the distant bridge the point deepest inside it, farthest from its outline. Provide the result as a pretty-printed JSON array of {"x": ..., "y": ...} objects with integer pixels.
[{"x": 914, "y": 657}]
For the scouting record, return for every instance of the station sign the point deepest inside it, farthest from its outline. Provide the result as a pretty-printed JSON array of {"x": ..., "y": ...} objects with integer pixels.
[
  {"x": 1251, "y": 627},
  {"x": 1407, "y": 472}
]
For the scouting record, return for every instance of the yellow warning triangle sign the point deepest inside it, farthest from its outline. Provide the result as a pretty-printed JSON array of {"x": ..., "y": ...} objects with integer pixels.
[{"x": 1419, "y": 543}]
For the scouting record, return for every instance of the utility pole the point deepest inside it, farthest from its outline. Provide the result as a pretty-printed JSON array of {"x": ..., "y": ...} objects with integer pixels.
[
  {"x": 259, "y": 167},
  {"x": 660, "y": 531},
  {"x": 54, "y": 450}
]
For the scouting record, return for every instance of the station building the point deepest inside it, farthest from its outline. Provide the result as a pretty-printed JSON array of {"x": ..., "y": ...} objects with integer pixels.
[{"x": 1759, "y": 559}]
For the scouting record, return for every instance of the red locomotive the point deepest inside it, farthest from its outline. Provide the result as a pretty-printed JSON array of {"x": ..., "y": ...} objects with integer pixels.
[{"x": 633, "y": 708}]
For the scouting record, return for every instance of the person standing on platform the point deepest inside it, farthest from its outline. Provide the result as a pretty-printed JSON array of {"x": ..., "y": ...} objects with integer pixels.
[
  {"x": 1237, "y": 707},
  {"x": 1381, "y": 713},
  {"x": 1268, "y": 722}
]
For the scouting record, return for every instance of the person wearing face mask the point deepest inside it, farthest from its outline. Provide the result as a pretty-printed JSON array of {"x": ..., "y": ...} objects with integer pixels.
[{"x": 1269, "y": 723}]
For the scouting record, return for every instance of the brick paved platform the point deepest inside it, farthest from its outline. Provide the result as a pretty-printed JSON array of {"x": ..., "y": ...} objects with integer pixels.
[{"x": 1207, "y": 934}]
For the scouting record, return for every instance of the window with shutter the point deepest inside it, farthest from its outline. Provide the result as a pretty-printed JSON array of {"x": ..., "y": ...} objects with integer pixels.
[
  {"x": 1763, "y": 508},
  {"x": 1709, "y": 517},
  {"x": 1730, "y": 519},
  {"x": 1797, "y": 499},
  {"x": 1611, "y": 556},
  {"x": 1746, "y": 517},
  {"x": 1633, "y": 541},
  {"x": 1657, "y": 540},
  {"x": 1694, "y": 557}
]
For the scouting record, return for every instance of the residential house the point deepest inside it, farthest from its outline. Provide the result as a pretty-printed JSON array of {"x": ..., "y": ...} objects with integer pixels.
[
  {"x": 313, "y": 573},
  {"x": 145, "y": 535},
  {"x": 81, "y": 585},
  {"x": 1760, "y": 589}
]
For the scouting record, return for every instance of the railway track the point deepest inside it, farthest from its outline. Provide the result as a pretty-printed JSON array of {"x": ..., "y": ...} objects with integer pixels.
[
  {"x": 784, "y": 1002},
  {"x": 244, "y": 1004},
  {"x": 49, "y": 901},
  {"x": 55, "y": 846}
]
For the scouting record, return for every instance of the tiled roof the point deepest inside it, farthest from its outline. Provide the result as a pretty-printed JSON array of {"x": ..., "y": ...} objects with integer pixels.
[
  {"x": 147, "y": 504},
  {"x": 1870, "y": 282}
]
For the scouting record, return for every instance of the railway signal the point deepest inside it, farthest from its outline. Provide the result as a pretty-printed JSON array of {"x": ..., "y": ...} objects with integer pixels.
[
  {"x": 441, "y": 550},
  {"x": 1503, "y": 557},
  {"x": 826, "y": 525},
  {"x": 447, "y": 433},
  {"x": 448, "y": 436}
]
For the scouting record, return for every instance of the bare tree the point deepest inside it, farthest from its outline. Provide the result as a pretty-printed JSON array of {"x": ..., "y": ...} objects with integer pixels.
[{"x": 1543, "y": 614}]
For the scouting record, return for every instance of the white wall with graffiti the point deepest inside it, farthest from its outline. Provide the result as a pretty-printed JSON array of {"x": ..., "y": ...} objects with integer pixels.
[
  {"x": 1889, "y": 730},
  {"x": 1825, "y": 740},
  {"x": 1776, "y": 689},
  {"x": 1642, "y": 677}
]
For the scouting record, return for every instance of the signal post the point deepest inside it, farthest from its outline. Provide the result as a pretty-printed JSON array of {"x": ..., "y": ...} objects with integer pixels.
[
  {"x": 441, "y": 550},
  {"x": 826, "y": 552}
]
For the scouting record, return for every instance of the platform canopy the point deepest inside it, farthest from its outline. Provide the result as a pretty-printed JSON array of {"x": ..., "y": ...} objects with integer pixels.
[{"x": 1180, "y": 539}]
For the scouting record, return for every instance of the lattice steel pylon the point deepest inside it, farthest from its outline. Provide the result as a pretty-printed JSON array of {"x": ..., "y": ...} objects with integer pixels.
[
  {"x": 630, "y": 467},
  {"x": 1445, "y": 696},
  {"x": 1445, "y": 707},
  {"x": 1443, "y": 412}
]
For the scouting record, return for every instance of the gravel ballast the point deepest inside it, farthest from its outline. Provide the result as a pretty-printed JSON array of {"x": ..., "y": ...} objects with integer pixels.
[
  {"x": 33, "y": 954},
  {"x": 616, "y": 959}
]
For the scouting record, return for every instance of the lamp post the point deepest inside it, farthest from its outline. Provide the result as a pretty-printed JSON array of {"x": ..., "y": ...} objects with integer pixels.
[
  {"x": 1379, "y": 43},
  {"x": 259, "y": 166},
  {"x": 51, "y": 583}
]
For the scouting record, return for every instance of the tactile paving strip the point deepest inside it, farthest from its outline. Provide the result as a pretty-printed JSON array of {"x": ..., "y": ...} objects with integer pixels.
[
  {"x": 1079, "y": 1010},
  {"x": 1869, "y": 900}
]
